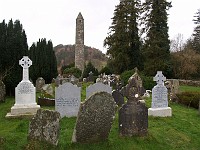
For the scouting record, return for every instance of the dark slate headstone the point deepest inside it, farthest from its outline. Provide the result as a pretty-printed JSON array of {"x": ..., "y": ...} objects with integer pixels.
[
  {"x": 91, "y": 77},
  {"x": 199, "y": 107},
  {"x": 2, "y": 92},
  {"x": 133, "y": 116},
  {"x": 119, "y": 99},
  {"x": 133, "y": 119},
  {"x": 95, "y": 118},
  {"x": 44, "y": 126}
]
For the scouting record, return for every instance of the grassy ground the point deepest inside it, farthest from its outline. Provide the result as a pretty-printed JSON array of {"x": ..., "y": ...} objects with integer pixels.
[
  {"x": 181, "y": 131},
  {"x": 189, "y": 88}
]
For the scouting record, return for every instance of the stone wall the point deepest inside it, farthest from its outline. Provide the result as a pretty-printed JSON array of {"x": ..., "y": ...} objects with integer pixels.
[{"x": 189, "y": 82}]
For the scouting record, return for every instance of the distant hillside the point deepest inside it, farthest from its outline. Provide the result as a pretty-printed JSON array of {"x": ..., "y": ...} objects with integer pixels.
[{"x": 65, "y": 55}]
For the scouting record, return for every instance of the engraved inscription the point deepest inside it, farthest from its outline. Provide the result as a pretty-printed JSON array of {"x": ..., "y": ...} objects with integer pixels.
[
  {"x": 70, "y": 102},
  {"x": 25, "y": 88},
  {"x": 159, "y": 96}
]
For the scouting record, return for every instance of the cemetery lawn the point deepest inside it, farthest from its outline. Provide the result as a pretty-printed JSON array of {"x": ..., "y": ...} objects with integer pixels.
[
  {"x": 181, "y": 131},
  {"x": 189, "y": 88}
]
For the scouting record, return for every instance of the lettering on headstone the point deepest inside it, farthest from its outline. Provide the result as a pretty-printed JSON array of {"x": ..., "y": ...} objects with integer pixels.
[
  {"x": 71, "y": 102},
  {"x": 25, "y": 88}
]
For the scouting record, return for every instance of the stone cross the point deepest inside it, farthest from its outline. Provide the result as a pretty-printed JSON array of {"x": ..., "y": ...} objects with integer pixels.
[
  {"x": 25, "y": 62},
  {"x": 159, "y": 78}
]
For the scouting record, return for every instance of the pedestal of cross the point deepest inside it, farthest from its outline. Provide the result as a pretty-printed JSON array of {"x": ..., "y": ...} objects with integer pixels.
[{"x": 25, "y": 62}]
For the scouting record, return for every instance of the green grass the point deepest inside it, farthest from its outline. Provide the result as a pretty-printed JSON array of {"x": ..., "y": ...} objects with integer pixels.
[
  {"x": 181, "y": 131},
  {"x": 189, "y": 88}
]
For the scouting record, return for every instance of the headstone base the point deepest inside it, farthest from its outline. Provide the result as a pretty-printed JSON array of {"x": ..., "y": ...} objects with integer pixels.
[
  {"x": 18, "y": 111},
  {"x": 160, "y": 112}
]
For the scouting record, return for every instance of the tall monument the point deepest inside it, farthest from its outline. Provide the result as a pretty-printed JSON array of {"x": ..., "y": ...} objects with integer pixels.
[{"x": 79, "y": 44}]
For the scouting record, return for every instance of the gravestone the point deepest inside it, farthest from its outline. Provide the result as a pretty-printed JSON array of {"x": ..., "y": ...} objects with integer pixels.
[
  {"x": 39, "y": 83},
  {"x": 2, "y": 91},
  {"x": 133, "y": 116},
  {"x": 199, "y": 107},
  {"x": 137, "y": 82},
  {"x": 97, "y": 87},
  {"x": 67, "y": 99},
  {"x": 159, "y": 105},
  {"x": 44, "y": 126},
  {"x": 119, "y": 99},
  {"x": 91, "y": 77},
  {"x": 25, "y": 100},
  {"x": 95, "y": 118},
  {"x": 48, "y": 89}
]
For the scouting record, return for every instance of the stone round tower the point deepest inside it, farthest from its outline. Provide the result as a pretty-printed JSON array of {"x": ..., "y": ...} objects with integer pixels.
[{"x": 79, "y": 44}]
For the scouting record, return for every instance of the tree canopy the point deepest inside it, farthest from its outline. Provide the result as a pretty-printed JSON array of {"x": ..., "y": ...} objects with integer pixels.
[
  {"x": 123, "y": 42},
  {"x": 44, "y": 61}
]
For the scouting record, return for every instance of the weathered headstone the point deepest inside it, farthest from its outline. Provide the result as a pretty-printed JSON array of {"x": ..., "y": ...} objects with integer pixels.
[
  {"x": 133, "y": 119},
  {"x": 98, "y": 87},
  {"x": 44, "y": 126},
  {"x": 2, "y": 91},
  {"x": 91, "y": 77},
  {"x": 95, "y": 118},
  {"x": 67, "y": 99},
  {"x": 48, "y": 89},
  {"x": 25, "y": 95},
  {"x": 119, "y": 99},
  {"x": 159, "y": 105},
  {"x": 133, "y": 116},
  {"x": 137, "y": 82},
  {"x": 39, "y": 83}
]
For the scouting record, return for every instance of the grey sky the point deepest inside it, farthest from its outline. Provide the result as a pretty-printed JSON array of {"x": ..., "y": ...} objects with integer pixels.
[{"x": 55, "y": 19}]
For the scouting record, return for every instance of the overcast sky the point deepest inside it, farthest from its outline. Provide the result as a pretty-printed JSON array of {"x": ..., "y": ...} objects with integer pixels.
[{"x": 56, "y": 19}]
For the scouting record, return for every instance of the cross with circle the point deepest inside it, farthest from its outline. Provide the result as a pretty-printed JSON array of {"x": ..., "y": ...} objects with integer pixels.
[{"x": 25, "y": 62}]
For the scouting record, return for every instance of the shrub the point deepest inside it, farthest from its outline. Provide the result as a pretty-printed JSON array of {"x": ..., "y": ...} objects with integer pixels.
[
  {"x": 190, "y": 99},
  {"x": 147, "y": 81},
  {"x": 75, "y": 71}
]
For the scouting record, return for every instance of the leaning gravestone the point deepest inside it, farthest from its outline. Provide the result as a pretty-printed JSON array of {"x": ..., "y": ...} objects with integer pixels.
[
  {"x": 97, "y": 87},
  {"x": 25, "y": 101},
  {"x": 39, "y": 83},
  {"x": 159, "y": 105},
  {"x": 67, "y": 99},
  {"x": 133, "y": 116},
  {"x": 44, "y": 126},
  {"x": 95, "y": 118},
  {"x": 2, "y": 92}
]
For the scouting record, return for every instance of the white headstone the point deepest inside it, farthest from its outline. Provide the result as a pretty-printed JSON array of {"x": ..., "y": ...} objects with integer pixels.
[
  {"x": 159, "y": 105},
  {"x": 97, "y": 87},
  {"x": 25, "y": 99},
  {"x": 67, "y": 99}
]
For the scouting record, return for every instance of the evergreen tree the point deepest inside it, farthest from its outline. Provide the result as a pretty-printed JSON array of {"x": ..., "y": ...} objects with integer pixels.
[
  {"x": 196, "y": 34},
  {"x": 44, "y": 61},
  {"x": 123, "y": 42},
  {"x": 16, "y": 48},
  {"x": 156, "y": 50},
  {"x": 89, "y": 67}
]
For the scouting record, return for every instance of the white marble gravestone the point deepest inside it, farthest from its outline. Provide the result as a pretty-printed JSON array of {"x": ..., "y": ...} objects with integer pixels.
[
  {"x": 25, "y": 99},
  {"x": 67, "y": 99},
  {"x": 159, "y": 105},
  {"x": 97, "y": 87}
]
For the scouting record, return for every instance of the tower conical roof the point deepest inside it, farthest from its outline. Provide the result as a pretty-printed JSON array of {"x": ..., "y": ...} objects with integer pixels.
[{"x": 80, "y": 16}]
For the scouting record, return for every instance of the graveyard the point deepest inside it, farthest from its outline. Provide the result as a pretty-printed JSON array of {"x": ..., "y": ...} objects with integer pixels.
[
  {"x": 143, "y": 94},
  {"x": 181, "y": 131}
]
